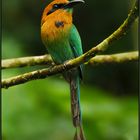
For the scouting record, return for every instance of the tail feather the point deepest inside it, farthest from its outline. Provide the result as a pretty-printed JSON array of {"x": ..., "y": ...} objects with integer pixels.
[
  {"x": 79, "y": 134},
  {"x": 75, "y": 108}
]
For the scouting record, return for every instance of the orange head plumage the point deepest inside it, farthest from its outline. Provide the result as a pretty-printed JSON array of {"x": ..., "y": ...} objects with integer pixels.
[
  {"x": 55, "y": 16},
  {"x": 50, "y": 10},
  {"x": 58, "y": 6}
]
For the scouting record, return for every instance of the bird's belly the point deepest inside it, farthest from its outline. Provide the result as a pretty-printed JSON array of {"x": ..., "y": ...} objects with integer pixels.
[
  {"x": 60, "y": 51},
  {"x": 57, "y": 43}
]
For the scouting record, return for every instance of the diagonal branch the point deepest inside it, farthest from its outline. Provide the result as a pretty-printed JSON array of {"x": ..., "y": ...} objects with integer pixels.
[
  {"x": 122, "y": 30},
  {"x": 116, "y": 35}
]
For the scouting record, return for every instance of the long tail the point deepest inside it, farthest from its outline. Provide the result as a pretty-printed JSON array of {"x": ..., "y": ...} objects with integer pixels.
[{"x": 75, "y": 108}]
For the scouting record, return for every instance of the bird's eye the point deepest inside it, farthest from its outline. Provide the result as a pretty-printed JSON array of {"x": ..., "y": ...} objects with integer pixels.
[{"x": 55, "y": 6}]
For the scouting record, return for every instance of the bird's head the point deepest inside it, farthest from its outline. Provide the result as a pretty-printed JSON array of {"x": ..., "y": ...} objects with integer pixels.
[{"x": 58, "y": 6}]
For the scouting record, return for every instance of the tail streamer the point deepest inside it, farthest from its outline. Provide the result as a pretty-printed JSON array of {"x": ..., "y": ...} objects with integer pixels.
[{"x": 75, "y": 109}]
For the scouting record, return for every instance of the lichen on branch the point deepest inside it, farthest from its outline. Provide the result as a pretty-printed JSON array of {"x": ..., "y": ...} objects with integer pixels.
[
  {"x": 114, "y": 58},
  {"x": 27, "y": 61},
  {"x": 47, "y": 60}
]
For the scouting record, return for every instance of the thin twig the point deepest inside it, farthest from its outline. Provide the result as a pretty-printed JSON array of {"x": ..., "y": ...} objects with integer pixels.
[{"x": 122, "y": 30}]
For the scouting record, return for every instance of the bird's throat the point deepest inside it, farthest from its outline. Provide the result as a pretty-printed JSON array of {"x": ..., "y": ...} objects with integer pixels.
[{"x": 56, "y": 26}]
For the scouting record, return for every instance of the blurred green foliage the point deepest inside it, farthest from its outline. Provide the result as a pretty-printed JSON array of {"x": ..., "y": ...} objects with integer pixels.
[
  {"x": 37, "y": 112},
  {"x": 40, "y": 110}
]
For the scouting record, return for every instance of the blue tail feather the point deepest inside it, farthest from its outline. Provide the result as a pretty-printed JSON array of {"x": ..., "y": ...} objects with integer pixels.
[{"x": 75, "y": 108}]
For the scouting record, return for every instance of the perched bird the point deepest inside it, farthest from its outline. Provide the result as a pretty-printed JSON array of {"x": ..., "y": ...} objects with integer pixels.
[{"x": 63, "y": 43}]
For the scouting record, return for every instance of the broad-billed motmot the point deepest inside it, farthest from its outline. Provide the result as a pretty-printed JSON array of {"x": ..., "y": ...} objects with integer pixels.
[{"x": 63, "y": 43}]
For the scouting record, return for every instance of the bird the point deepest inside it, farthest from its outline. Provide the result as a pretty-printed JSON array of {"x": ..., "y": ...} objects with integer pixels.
[{"x": 63, "y": 42}]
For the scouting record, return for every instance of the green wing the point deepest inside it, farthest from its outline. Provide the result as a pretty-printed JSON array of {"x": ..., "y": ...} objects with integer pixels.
[
  {"x": 75, "y": 42},
  {"x": 76, "y": 45}
]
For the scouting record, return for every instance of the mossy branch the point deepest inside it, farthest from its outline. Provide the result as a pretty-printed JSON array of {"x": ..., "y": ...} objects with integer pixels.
[
  {"x": 40, "y": 74},
  {"x": 47, "y": 60},
  {"x": 121, "y": 31},
  {"x": 114, "y": 58},
  {"x": 27, "y": 61}
]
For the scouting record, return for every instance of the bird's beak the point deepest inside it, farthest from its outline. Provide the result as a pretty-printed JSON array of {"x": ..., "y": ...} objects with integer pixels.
[{"x": 73, "y": 3}]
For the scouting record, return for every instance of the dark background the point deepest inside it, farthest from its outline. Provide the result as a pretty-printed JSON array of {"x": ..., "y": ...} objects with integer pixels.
[{"x": 40, "y": 109}]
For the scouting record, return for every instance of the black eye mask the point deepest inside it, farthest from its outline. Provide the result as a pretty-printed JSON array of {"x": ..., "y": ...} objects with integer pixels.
[{"x": 56, "y": 7}]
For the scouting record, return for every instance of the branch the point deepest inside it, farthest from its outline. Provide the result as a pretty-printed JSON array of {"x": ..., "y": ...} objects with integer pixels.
[
  {"x": 40, "y": 74},
  {"x": 27, "y": 61},
  {"x": 122, "y": 30},
  {"x": 47, "y": 60},
  {"x": 114, "y": 58}
]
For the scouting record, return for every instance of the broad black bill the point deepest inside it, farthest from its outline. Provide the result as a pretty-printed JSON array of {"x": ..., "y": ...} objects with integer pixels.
[{"x": 73, "y": 3}]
